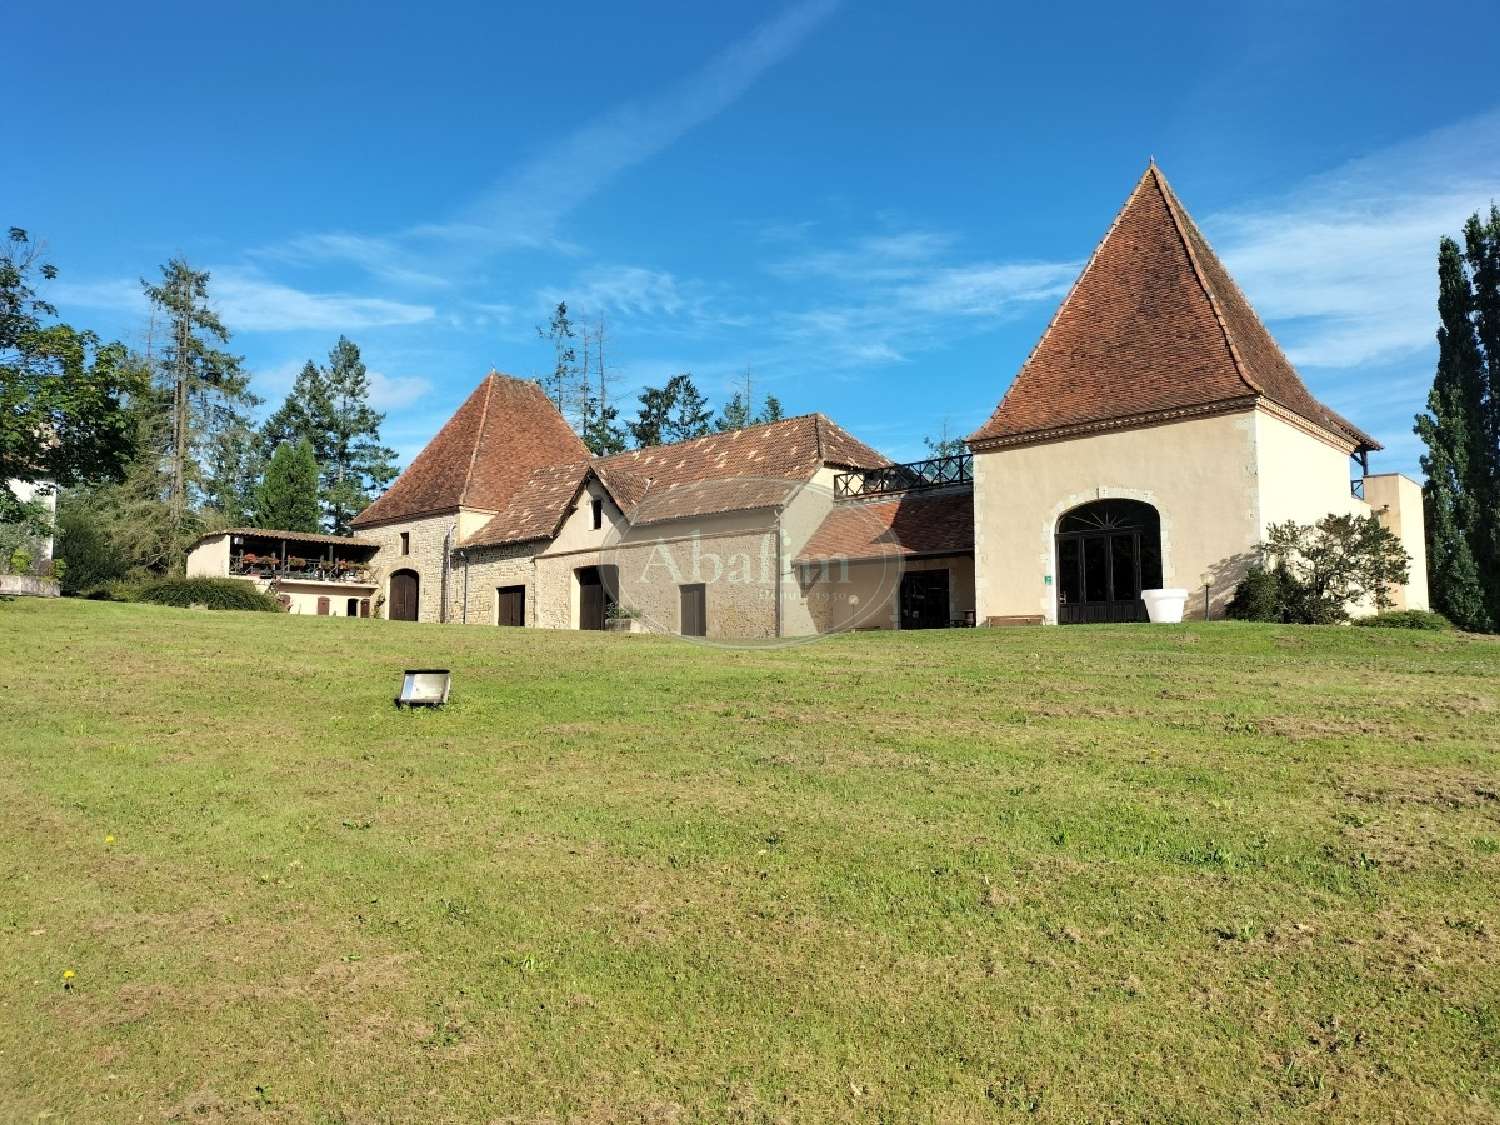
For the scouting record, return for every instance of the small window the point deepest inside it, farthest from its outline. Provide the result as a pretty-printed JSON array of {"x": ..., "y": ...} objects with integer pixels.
[
  {"x": 406, "y": 542},
  {"x": 598, "y": 514}
]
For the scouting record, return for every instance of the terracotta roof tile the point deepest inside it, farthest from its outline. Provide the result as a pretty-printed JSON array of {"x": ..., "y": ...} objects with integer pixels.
[
  {"x": 754, "y": 467},
  {"x": 482, "y": 455},
  {"x": 916, "y": 524},
  {"x": 1153, "y": 327}
]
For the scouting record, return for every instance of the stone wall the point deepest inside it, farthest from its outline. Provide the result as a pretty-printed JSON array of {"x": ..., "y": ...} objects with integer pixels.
[
  {"x": 482, "y": 571},
  {"x": 425, "y": 556}
]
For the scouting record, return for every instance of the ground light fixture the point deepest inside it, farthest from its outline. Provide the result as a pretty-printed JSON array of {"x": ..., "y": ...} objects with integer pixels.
[
  {"x": 1207, "y": 579},
  {"x": 424, "y": 687}
]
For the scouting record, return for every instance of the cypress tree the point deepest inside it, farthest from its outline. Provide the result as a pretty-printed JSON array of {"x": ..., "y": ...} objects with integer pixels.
[
  {"x": 287, "y": 499},
  {"x": 1462, "y": 431}
]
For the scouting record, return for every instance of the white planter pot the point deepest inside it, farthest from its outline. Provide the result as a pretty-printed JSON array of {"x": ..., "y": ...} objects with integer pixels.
[{"x": 1165, "y": 606}]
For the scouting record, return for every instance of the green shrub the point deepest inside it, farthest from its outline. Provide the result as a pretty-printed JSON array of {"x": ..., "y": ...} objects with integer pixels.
[
  {"x": 1258, "y": 597},
  {"x": 119, "y": 590},
  {"x": 1407, "y": 619},
  {"x": 20, "y": 561},
  {"x": 212, "y": 593}
]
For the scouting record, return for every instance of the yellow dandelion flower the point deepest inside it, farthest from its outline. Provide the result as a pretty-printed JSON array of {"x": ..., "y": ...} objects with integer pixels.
[
  {"x": 109, "y": 839},
  {"x": 69, "y": 974}
]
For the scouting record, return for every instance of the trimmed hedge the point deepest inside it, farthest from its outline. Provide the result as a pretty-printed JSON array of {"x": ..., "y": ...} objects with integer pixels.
[
  {"x": 211, "y": 593},
  {"x": 1407, "y": 619}
]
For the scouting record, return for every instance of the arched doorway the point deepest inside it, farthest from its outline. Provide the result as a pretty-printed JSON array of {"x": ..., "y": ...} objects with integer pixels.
[
  {"x": 1107, "y": 553},
  {"x": 405, "y": 588}
]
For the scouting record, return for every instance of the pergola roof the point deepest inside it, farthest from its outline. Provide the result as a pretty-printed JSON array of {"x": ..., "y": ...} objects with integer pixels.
[{"x": 292, "y": 536}]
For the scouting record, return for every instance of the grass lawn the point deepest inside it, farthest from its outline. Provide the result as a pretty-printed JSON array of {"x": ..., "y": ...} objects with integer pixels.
[{"x": 1092, "y": 874}]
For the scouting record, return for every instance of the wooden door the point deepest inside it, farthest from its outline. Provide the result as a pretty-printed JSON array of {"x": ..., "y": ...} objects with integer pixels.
[
  {"x": 323, "y": 607},
  {"x": 510, "y": 606},
  {"x": 405, "y": 588},
  {"x": 590, "y": 599},
  {"x": 694, "y": 610},
  {"x": 924, "y": 599}
]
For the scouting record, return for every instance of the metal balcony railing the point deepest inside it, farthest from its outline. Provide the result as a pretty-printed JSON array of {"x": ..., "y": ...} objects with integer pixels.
[{"x": 936, "y": 472}]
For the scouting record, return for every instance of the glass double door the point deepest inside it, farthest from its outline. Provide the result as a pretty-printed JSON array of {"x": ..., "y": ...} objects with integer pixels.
[{"x": 1099, "y": 577}]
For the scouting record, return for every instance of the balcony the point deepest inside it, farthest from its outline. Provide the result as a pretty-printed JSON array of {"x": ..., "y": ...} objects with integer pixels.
[
  {"x": 936, "y": 472},
  {"x": 292, "y": 556},
  {"x": 295, "y": 569}
]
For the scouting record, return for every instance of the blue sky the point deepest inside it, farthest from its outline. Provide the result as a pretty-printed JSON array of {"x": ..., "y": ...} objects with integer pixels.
[{"x": 874, "y": 208}]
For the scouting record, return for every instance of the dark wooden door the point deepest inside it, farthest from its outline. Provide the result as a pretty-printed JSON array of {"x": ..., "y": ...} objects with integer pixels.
[
  {"x": 324, "y": 607},
  {"x": 405, "y": 587},
  {"x": 511, "y": 606},
  {"x": 924, "y": 599},
  {"x": 694, "y": 612},
  {"x": 590, "y": 599}
]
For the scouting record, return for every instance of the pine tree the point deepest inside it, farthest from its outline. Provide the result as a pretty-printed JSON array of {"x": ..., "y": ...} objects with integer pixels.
[
  {"x": 287, "y": 499},
  {"x": 1462, "y": 432},
  {"x": 561, "y": 384},
  {"x": 599, "y": 424},
  {"x": 356, "y": 467},
  {"x": 208, "y": 396},
  {"x": 690, "y": 416},
  {"x": 735, "y": 415},
  {"x": 651, "y": 417},
  {"x": 330, "y": 408},
  {"x": 771, "y": 411}
]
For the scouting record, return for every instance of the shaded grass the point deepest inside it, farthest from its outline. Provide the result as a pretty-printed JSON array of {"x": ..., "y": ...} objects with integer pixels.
[{"x": 1118, "y": 873}]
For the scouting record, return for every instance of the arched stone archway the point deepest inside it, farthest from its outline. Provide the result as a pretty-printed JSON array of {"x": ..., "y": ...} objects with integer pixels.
[{"x": 1108, "y": 551}]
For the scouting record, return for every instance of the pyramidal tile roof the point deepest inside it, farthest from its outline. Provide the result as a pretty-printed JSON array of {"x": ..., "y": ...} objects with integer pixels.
[
  {"x": 481, "y": 457},
  {"x": 1153, "y": 329}
]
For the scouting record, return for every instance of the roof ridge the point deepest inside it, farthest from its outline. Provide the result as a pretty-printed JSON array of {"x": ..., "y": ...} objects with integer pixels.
[
  {"x": 1179, "y": 220},
  {"x": 1077, "y": 282},
  {"x": 484, "y": 416}
]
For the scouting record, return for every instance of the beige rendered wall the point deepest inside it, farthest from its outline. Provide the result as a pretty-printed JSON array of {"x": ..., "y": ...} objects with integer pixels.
[
  {"x": 1398, "y": 501},
  {"x": 866, "y": 595},
  {"x": 1199, "y": 474},
  {"x": 210, "y": 558},
  {"x": 304, "y": 597},
  {"x": 1301, "y": 477}
]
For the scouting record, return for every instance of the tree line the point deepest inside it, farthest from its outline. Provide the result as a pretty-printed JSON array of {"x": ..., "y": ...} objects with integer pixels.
[
  {"x": 581, "y": 381},
  {"x": 151, "y": 447}
]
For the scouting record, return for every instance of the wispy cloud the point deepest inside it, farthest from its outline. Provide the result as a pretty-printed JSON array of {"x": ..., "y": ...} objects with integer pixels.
[
  {"x": 396, "y": 392},
  {"x": 377, "y": 256},
  {"x": 524, "y": 207},
  {"x": 872, "y": 258},
  {"x": 248, "y": 302},
  {"x": 889, "y": 295},
  {"x": 1344, "y": 266}
]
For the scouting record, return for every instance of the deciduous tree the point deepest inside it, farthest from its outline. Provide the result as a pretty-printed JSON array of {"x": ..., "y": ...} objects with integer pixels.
[{"x": 64, "y": 395}]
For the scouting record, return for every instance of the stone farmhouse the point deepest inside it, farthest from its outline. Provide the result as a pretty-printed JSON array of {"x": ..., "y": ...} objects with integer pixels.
[{"x": 1150, "y": 437}]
